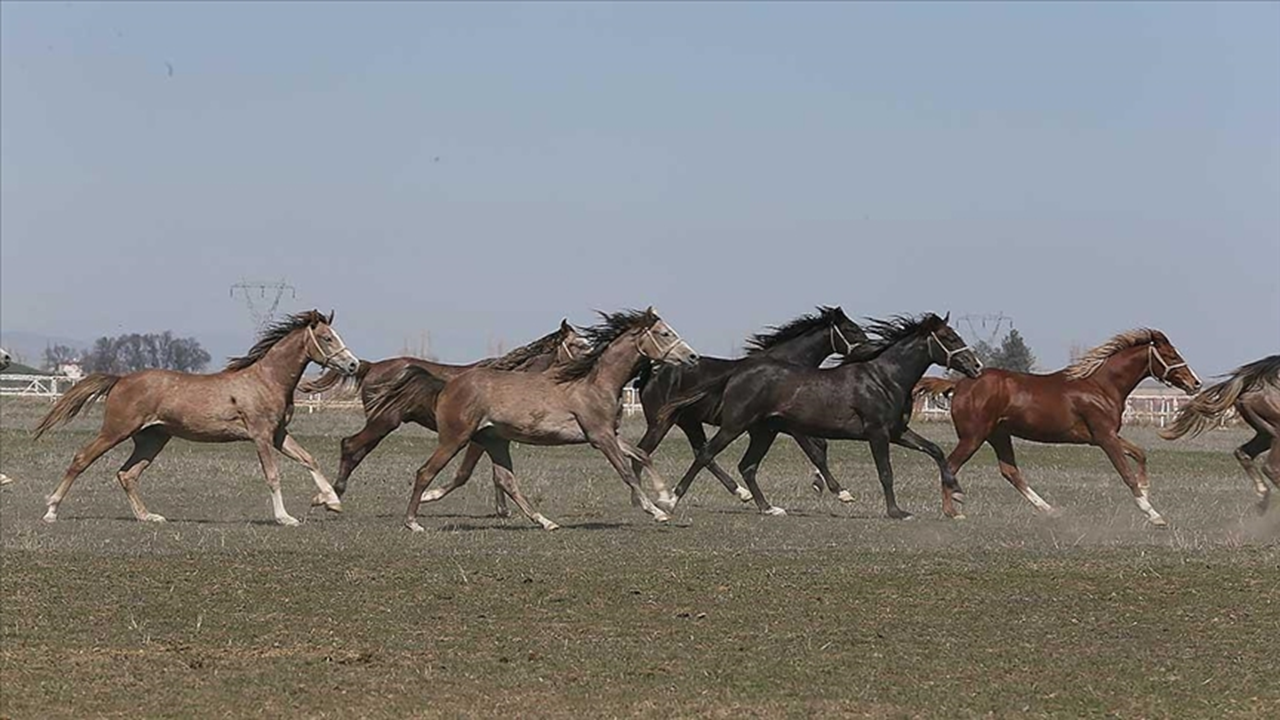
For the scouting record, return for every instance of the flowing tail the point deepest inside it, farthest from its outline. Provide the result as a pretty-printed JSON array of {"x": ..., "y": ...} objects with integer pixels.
[
  {"x": 332, "y": 378},
  {"x": 692, "y": 396},
  {"x": 413, "y": 387},
  {"x": 1205, "y": 408},
  {"x": 934, "y": 387},
  {"x": 95, "y": 386}
]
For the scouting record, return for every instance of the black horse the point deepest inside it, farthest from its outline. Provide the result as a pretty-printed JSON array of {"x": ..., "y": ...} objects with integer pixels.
[
  {"x": 807, "y": 340},
  {"x": 868, "y": 397}
]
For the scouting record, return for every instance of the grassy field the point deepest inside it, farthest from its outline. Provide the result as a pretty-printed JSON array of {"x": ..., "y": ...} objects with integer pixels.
[{"x": 831, "y": 610}]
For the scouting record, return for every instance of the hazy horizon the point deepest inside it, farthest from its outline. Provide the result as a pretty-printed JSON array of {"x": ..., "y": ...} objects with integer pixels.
[{"x": 480, "y": 171}]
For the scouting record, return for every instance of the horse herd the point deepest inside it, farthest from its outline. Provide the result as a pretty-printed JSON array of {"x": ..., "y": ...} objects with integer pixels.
[{"x": 567, "y": 387}]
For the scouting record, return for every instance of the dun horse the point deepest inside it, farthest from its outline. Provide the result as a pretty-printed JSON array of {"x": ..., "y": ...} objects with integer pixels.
[
  {"x": 554, "y": 349},
  {"x": 1081, "y": 404},
  {"x": 5, "y": 360},
  {"x": 868, "y": 397},
  {"x": 252, "y": 399},
  {"x": 807, "y": 340},
  {"x": 1254, "y": 392},
  {"x": 579, "y": 403}
]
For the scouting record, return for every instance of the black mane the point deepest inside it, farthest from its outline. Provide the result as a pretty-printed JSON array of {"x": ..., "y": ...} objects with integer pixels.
[
  {"x": 890, "y": 332},
  {"x": 274, "y": 333},
  {"x": 546, "y": 344},
  {"x": 776, "y": 335},
  {"x": 612, "y": 325}
]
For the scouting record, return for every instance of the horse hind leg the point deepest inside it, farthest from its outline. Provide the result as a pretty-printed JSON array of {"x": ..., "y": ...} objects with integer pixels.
[
  {"x": 81, "y": 462},
  {"x": 697, "y": 440},
  {"x": 1002, "y": 443},
  {"x": 816, "y": 450},
  {"x": 1272, "y": 468},
  {"x": 504, "y": 474},
  {"x": 146, "y": 446},
  {"x": 761, "y": 441},
  {"x": 475, "y": 451},
  {"x": 357, "y": 447},
  {"x": 1113, "y": 446},
  {"x": 1245, "y": 455}
]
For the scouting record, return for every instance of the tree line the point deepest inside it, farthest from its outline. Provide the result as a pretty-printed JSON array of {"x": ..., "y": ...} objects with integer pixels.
[{"x": 132, "y": 352}]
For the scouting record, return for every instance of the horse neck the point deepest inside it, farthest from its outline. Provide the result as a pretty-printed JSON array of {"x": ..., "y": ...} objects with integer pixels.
[
  {"x": 810, "y": 348},
  {"x": 537, "y": 363},
  {"x": 1122, "y": 372},
  {"x": 285, "y": 362},
  {"x": 618, "y": 364},
  {"x": 903, "y": 364}
]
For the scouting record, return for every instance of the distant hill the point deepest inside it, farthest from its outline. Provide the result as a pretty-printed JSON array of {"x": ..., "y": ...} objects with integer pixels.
[{"x": 20, "y": 369}]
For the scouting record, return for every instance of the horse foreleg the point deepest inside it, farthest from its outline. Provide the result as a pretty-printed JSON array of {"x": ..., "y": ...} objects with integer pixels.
[
  {"x": 446, "y": 448},
  {"x": 357, "y": 447},
  {"x": 1114, "y": 448},
  {"x": 325, "y": 494},
  {"x": 723, "y": 438},
  {"x": 271, "y": 471},
  {"x": 504, "y": 474},
  {"x": 816, "y": 450},
  {"x": 608, "y": 444}
]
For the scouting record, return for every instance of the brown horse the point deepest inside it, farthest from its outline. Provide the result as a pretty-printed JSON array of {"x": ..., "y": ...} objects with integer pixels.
[
  {"x": 551, "y": 350},
  {"x": 1082, "y": 404},
  {"x": 1254, "y": 391},
  {"x": 579, "y": 403},
  {"x": 252, "y": 399}
]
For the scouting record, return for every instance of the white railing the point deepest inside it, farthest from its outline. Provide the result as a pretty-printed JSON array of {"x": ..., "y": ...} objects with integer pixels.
[
  {"x": 43, "y": 386},
  {"x": 1141, "y": 408}
]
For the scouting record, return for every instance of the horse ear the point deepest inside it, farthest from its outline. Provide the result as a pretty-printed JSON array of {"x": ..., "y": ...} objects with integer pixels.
[
  {"x": 564, "y": 325},
  {"x": 330, "y": 320},
  {"x": 649, "y": 313},
  {"x": 947, "y": 318}
]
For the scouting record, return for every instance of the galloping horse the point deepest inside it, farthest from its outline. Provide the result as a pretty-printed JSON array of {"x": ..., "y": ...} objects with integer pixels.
[
  {"x": 807, "y": 340},
  {"x": 252, "y": 399},
  {"x": 868, "y": 397},
  {"x": 1081, "y": 404},
  {"x": 5, "y": 360},
  {"x": 579, "y": 403},
  {"x": 1254, "y": 391},
  {"x": 552, "y": 350}
]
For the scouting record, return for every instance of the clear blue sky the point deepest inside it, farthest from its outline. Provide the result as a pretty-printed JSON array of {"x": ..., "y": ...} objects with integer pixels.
[{"x": 1084, "y": 168}]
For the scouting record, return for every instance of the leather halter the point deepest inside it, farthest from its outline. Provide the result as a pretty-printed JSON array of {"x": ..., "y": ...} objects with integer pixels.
[
  {"x": 325, "y": 357},
  {"x": 661, "y": 358},
  {"x": 952, "y": 353},
  {"x": 836, "y": 333},
  {"x": 1153, "y": 355}
]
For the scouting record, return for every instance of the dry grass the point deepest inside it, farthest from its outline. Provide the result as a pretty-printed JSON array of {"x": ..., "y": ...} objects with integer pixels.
[{"x": 724, "y": 613}]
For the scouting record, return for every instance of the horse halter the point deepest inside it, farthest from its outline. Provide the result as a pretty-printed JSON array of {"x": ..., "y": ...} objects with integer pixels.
[
  {"x": 952, "y": 353},
  {"x": 568, "y": 349},
  {"x": 836, "y": 333},
  {"x": 325, "y": 357},
  {"x": 649, "y": 334},
  {"x": 1153, "y": 355}
]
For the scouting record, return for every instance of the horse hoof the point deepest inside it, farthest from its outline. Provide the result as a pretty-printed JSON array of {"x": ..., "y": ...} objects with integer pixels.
[
  {"x": 1052, "y": 512},
  {"x": 431, "y": 495},
  {"x": 661, "y": 517},
  {"x": 1159, "y": 522},
  {"x": 5, "y": 479},
  {"x": 774, "y": 510},
  {"x": 414, "y": 526},
  {"x": 897, "y": 514},
  {"x": 288, "y": 521},
  {"x": 958, "y": 496},
  {"x": 959, "y": 516},
  {"x": 502, "y": 513},
  {"x": 743, "y": 494},
  {"x": 334, "y": 506},
  {"x": 668, "y": 505},
  {"x": 50, "y": 517},
  {"x": 817, "y": 487},
  {"x": 845, "y": 496},
  {"x": 550, "y": 526},
  {"x": 152, "y": 517}
]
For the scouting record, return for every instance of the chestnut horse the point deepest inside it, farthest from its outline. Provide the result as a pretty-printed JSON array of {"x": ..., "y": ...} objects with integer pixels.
[
  {"x": 1080, "y": 404},
  {"x": 551, "y": 350},
  {"x": 252, "y": 399},
  {"x": 579, "y": 403},
  {"x": 1254, "y": 392}
]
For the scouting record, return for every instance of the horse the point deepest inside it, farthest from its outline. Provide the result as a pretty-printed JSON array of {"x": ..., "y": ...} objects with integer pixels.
[
  {"x": 807, "y": 340},
  {"x": 867, "y": 397},
  {"x": 551, "y": 350},
  {"x": 5, "y": 360},
  {"x": 1253, "y": 390},
  {"x": 251, "y": 400},
  {"x": 1080, "y": 404},
  {"x": 577, "y": 403}
]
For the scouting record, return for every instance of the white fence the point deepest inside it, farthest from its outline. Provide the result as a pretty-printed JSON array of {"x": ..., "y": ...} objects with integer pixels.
[{"x": 1144, "y": 407}]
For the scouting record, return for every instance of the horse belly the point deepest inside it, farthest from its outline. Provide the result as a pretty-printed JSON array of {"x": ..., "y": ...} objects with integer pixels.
[{"x": 538, "y": 430}]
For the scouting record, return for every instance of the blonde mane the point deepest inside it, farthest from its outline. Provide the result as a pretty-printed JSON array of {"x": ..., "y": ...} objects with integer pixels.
[{"x": 1089, "y": 363}]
